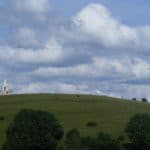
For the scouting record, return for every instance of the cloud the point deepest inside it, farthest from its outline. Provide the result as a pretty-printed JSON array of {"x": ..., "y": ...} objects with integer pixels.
[
  {"x": 141, "y": 69},
  {"x": 52, "y": 87},
  {"x": 33, "y": 88},
  {"x": 32, "y": 7},
  {"x": 113, "y": 70},
  {"x": 139, "y": 91},
  {"x": 26, "y": 38},
  {"x": 51, "y": 53},
  {"x": 92, "y": 52},
  {"x": 16, "y": 13},
  {"x": 96, "y": 23}
]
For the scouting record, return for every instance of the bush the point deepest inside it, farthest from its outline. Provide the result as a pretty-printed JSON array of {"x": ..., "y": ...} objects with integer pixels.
[
  {"x": 1, "y": 118},
  {"x": 121, "y": 138},
  {"x": 91, "y": 124},
  {"x": 88, "y": 143},
  {"x": 134, "y": 99},
  {"x": 138, "y": 131},
  {"x": 102, "y": 142},
  {"x": 73, "y": 140},
  {"x": 61, "y": 146},
  {"x": 106, "y": 142},
  {"x": 144, "y": 100},
  {"x": 33, "y": 130},
  {"x": 78, "y": 96}
]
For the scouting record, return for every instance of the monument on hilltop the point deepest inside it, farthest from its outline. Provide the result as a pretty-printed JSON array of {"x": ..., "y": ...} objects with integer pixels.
[{"x": 5, "y": 88}]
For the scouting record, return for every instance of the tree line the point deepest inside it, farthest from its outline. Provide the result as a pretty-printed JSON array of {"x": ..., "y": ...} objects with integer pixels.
[{"x": 40, "y": 130}]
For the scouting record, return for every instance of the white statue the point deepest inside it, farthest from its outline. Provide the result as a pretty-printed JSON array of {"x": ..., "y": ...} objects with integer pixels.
[{"x": 5, "y": 88}]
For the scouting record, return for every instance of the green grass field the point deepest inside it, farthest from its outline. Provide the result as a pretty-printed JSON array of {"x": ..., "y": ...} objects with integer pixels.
[{"x": 74, "y": 111}]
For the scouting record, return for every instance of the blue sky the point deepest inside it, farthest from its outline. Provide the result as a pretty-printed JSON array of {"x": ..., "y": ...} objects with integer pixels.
[{"x": 95, "y": 47}]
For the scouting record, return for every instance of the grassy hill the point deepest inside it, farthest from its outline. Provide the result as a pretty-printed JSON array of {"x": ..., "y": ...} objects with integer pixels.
[{"x": 74, "y": 111}]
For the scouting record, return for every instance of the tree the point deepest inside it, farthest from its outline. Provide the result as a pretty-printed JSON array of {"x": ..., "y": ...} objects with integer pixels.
[
  {"x": 102, "y": 142},
  {"x": 73, "y": 140},
  {"x": 138, "y": 131},
  {"x": 106, "y": 142},
  {"x": 144, "y": 100},
  {"x": 134, "y": 99},
  {"x": 88, "y": 143},
  {"x": 2, "y": 118},
  {"x": 33, "y": 130}
]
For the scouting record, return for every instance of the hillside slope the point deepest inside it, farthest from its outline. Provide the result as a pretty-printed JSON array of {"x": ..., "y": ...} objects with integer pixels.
[{"x": 74, "y": 111}]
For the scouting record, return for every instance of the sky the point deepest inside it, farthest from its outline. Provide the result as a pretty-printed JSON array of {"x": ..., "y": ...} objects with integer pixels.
[{"x": 83, "y": 46}]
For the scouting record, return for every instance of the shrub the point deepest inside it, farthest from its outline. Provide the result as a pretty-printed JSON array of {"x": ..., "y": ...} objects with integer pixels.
[
  {"x": 138, "y": 131},
  {"x": 134, "y": 99},
  {"x": 61, "y": 146},
  {"x": 121, "y": 138},
  {"x": 144, "y": 100},
  {"x": 1, "y": 118},
  {"x": 91, "y": 124},
  {"x": 102, "y": 142},
  {"x": 78, "y": 95},
  {"x": 33, "y": 130},
  {"x": 88, "y": 143},
  {"x": 106, "y": 142},
  {"x": 73, "y": 140}
]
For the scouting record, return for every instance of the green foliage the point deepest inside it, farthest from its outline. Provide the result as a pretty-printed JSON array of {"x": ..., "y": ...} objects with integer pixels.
[
  {"x": 73, "y": 140},
  {"x": 110, "y": 114},
  {"x": 61, "y": 146},
  {"x": 134, "y": 99},
  {"x": 88, "y": 143},
  {"x": 33, "y": 130},
  {"x": 138, "y": 131},
  {"x": 144, "y": 100},
  {"x": 91, "y": 124},
  {"x": 106, "y": 142},
  {"x": 1, "y": 118},
  {"x": 102, "y": 142}
]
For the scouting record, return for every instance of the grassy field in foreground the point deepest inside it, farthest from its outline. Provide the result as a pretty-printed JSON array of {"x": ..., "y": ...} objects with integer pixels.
[{"x": 74, "y": 111}]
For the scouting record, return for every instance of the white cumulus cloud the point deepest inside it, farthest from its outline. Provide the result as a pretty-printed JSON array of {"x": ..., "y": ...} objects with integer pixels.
[
  {"x": 96, "y": 23},
  {"x": 38, "y": 8},
  {"x": 52, "y": 52}
]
